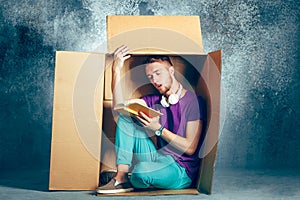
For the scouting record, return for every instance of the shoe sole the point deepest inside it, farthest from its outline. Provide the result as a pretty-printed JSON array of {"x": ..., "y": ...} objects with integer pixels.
[{"x": 114, "y": 191}]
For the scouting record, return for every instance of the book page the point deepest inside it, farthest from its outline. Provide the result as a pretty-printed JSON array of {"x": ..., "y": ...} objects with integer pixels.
[{"x": 135, "y": 108}]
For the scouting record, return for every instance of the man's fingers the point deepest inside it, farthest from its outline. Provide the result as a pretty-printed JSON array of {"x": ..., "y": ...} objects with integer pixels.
[
  {"x": 122, "y": 53},
  {"x": 145, "y": 116},
  {"x": 122, "y": 49},
  {"x": 144, "y": 122}
]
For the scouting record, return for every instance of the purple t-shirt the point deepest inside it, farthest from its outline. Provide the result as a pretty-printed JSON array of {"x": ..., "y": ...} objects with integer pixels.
[{"x": 189, "y": 108}]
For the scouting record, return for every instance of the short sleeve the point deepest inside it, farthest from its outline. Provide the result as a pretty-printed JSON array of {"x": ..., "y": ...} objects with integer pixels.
[{"x": 196, "y": 109}]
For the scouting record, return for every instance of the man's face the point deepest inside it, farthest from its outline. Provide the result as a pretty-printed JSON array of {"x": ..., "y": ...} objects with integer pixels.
[{"x": 159, "y": 75}]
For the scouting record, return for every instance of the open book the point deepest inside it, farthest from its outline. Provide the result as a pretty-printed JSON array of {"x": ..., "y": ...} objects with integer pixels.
[{"x": 134, "y": 108}]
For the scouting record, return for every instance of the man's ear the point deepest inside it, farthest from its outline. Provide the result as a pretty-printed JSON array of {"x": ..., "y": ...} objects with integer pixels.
[{"x": 172, "y": 70}]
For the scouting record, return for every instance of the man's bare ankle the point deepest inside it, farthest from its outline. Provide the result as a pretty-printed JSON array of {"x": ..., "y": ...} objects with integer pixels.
[{"x": 122, "y": 177}]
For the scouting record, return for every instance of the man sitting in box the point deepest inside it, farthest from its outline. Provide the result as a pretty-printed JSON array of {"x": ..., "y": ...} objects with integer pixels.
[{"x": 174, "y": 165}]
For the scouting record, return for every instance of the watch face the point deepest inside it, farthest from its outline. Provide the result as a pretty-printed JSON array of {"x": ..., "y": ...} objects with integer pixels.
[{"x": 158, "y": 132}]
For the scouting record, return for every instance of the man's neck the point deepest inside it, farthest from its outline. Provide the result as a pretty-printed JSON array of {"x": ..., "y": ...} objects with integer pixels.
[{"x": 174, "y": 88}]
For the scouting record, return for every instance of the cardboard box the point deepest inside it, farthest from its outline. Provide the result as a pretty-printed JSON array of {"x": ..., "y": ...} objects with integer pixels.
[
  {"x": 197, "y": 72},
  {"x": 177, "y": 36}
]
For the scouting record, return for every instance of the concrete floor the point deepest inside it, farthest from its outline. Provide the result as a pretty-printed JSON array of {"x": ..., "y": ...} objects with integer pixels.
[{"x": 228, "y": 184}]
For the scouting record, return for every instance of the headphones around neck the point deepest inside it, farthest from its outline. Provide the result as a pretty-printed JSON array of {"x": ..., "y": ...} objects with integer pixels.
[{"x": 172, "y": 99}]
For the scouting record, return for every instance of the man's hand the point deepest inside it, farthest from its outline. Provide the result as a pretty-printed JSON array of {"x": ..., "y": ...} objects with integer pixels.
[
  {"x": 150, "y": 123},
  {"x": 120, "y": 55}
]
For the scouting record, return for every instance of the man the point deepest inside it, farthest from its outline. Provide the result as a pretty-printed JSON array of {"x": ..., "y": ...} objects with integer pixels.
[{"x": 175, "y": 163}]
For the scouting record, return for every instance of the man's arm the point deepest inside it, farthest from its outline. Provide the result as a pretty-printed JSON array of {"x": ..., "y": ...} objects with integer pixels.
[
  {"x": 186, "y": 144},
  {"x": 120, "y": 55}
]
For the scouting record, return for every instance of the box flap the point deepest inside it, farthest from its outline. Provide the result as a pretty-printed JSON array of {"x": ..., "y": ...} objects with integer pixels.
[
  {"x": 211, "y": 75},
  {"x": 155, "y": 34},
  {"x": 77, "y": 117}
]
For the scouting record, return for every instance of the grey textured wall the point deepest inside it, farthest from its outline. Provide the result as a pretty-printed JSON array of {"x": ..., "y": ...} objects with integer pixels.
[{"x": 260, "y": 43}]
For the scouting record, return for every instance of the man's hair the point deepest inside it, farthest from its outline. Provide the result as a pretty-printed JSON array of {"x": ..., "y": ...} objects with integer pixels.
[{"x": 157, "y": 58}]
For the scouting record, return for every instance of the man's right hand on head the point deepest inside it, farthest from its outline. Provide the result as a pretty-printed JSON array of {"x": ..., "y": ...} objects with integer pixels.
[{"x": 120, "y": 55}]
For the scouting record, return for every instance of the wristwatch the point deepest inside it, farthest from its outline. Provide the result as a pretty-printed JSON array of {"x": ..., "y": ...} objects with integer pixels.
[{"x": 158, "y": 132}]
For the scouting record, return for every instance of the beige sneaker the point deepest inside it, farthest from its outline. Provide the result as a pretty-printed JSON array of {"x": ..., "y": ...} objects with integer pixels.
[{"x": 111, "y": 187}]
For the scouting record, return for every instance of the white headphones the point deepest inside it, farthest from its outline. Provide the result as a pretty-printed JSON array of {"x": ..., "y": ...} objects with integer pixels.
[{"x": 172, "y": 99}]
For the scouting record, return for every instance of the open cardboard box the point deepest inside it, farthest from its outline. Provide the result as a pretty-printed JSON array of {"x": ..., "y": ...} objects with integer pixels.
[{"x": 83, "y": 121}]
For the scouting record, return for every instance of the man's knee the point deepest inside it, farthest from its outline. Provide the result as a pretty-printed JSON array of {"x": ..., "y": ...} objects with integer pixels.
[{"x": 140, "y": 177}]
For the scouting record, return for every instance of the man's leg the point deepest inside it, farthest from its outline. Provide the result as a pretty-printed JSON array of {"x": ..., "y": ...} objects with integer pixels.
[
  {"x": 164, "y": 173},
  {"x": 152, "y": 168},
  {"x": 131, "y": 140}
]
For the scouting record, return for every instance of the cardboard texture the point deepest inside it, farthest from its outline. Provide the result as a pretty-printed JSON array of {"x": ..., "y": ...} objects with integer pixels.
[
  {"x": 155, "y": 34},
  {"x": 76, "y": 130},
  {"x": 177, "y": 36}
]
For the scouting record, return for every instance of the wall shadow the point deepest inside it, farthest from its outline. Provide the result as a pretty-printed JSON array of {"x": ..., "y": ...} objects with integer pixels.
[{"x": 25, "y": 179}]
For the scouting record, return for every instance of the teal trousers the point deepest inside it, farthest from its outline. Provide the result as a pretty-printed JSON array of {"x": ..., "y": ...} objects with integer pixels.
[{"x": 151, "y": 167}]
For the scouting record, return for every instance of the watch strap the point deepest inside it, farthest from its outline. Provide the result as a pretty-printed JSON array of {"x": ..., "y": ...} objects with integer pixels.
[{"x": 158, "y": 132}]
